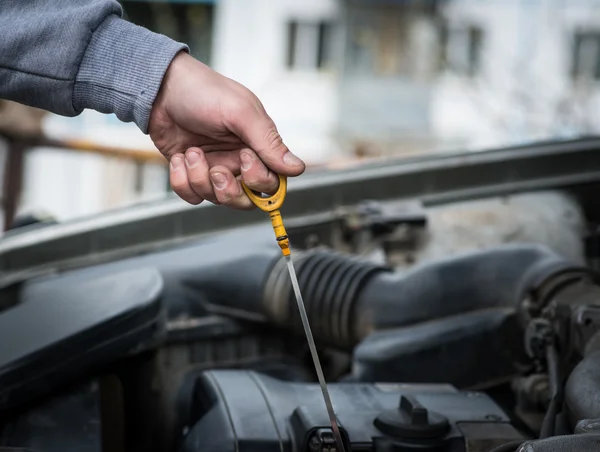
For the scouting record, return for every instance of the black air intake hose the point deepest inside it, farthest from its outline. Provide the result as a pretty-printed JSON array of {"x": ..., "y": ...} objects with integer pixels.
[
  {"x": 347, "y": 299},
  {"x": 331, "y": 284}
]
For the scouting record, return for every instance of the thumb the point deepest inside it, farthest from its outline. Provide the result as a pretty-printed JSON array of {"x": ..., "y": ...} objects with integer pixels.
[{"x": 258, "y": 131}]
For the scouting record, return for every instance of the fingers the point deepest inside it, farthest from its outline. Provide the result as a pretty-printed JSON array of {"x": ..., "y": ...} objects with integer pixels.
[
  {"x": 228, "y": 159},
  {"x": 195, "y": 177},
  {"x": 197, "y": 174},
  {"x": 245, "y": 162},
  {"x": 228, "y": 189},
  {"x": 255, "y": 174},
  {"x": 252, "y": 124},
  {"x": 179, "y": 180}
]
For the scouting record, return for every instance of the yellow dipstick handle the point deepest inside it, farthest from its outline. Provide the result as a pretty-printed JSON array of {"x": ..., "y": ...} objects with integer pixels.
[{"x": 272, "y": 205}]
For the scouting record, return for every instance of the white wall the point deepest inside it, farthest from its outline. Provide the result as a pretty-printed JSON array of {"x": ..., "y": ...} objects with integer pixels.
[
  {"x": 524, "y": 77},
  {"x": 249, "y": 46}
]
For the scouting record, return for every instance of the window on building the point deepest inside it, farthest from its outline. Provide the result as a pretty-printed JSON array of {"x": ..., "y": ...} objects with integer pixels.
[
  {"x": 390, "y": 40},
  {"x": 461, "y": 49},
  {"x": 586, "y": 55},
  {"x": 309, "y": 45}
]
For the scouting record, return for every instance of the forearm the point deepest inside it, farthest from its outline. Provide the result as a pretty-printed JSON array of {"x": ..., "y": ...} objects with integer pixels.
[{"x": 65, "y": 56}]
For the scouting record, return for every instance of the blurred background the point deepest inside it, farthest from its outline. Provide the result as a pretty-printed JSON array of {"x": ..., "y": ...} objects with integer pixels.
[{"x": 344, "y": 80}]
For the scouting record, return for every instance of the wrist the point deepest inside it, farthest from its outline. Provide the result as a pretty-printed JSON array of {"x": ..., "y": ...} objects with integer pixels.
[
  {"x": 181, "y": 80},
  {"x": 122, "y": 70}
]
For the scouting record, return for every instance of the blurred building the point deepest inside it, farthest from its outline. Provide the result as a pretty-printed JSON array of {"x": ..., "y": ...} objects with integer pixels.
[
  {"x": 338, "y": 76},
  {"x": 517, "y": 70},
  {"x": 356, "y": 77}
]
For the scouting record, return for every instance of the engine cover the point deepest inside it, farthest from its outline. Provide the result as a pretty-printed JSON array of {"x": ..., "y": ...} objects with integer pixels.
[{"x": 248, "y": 411}]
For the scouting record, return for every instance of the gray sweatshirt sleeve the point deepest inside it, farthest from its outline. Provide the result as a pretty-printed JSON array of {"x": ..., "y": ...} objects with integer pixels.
[{"x": 65, "y": 56}]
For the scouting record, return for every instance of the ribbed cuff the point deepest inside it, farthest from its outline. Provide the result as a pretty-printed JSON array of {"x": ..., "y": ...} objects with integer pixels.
[{"x": 122, "y": 69}]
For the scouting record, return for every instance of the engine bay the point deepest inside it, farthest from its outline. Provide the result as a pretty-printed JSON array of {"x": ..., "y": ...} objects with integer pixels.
[{"x": 458, "y": 325}]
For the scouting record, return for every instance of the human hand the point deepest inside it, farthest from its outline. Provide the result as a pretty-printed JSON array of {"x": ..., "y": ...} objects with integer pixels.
[{"x": 215, "y": 131}]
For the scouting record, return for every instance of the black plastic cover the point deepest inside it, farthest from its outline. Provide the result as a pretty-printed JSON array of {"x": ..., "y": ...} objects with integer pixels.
[
  {"x": 246, "y": 411},
  {"x": 64, "y": 326},
  {"x": 464, "y": 350}
]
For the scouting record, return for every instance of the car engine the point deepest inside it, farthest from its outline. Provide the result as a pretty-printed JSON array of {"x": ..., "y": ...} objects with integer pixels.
[{"x": 465, "y": 326}]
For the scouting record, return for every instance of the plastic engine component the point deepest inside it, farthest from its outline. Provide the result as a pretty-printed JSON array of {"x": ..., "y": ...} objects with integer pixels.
[
  {"x": 63, "y": 327},
  {"x": 348, "y": 298},
  {"x": 246, "y": 411},
  {"x": 441, "y": 350}
]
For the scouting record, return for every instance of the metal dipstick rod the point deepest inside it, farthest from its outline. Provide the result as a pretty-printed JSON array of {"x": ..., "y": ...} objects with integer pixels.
[{"x": 272, "y": 205}]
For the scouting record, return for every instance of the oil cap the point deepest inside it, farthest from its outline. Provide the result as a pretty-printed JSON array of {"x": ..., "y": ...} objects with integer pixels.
[{"x": 411, "y": 420}]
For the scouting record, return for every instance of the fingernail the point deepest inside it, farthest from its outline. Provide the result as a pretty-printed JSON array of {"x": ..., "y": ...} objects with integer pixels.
[
  {"x": 219, "y": 180},
  {"x": 192, "y": 159},
  {"x": 291, "y": 160},
  {"x": 176, "y": 162},
  {"x": 246, "y": 160}
]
